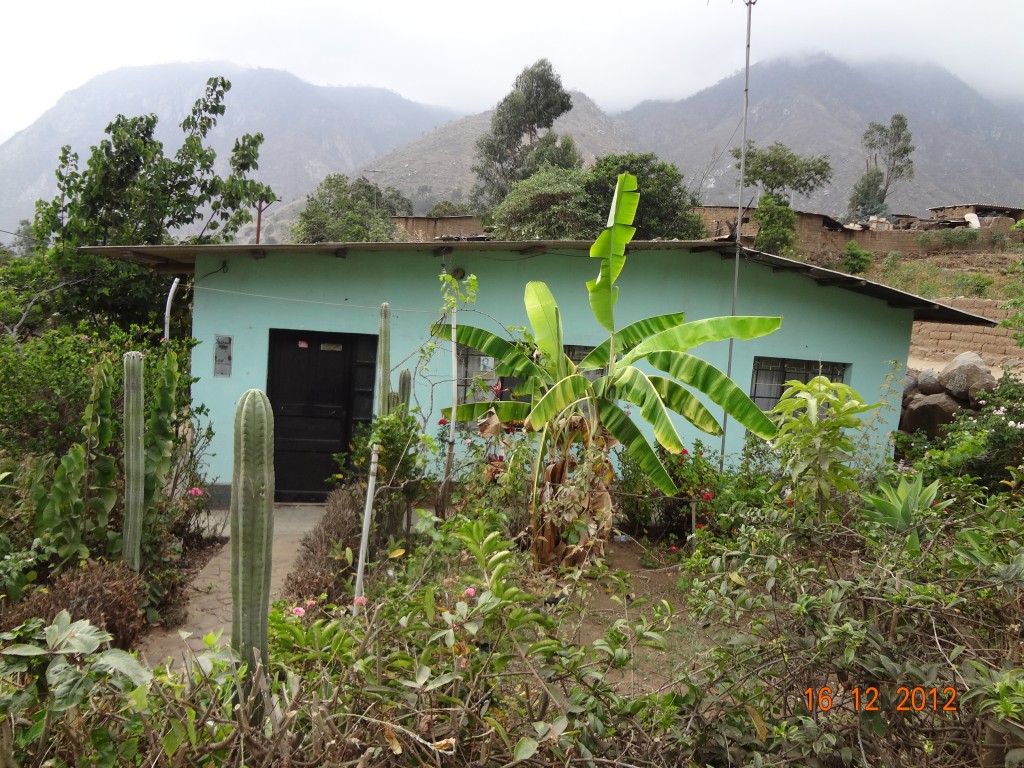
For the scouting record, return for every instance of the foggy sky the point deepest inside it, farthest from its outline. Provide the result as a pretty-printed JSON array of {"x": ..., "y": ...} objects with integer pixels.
[{"x": 465, "y": 55}]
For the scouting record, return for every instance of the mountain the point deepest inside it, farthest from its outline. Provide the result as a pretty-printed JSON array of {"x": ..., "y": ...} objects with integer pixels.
[
  {"x": 968, "y": 149},
  {"x": 438, "y": 165},
  {"x": 441, "y": 161},
  {"x": 309, "y": 130}
]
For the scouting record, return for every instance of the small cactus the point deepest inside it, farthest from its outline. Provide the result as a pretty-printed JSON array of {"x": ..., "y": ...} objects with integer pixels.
[
  {"x": 252, "y": 526},
  {"x": 384, "y": 361},
  {"x": 134, "y": 461},
  {"x": 405, "y": 389}
]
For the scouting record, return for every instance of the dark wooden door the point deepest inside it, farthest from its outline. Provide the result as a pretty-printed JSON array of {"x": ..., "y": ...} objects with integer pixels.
[{"x": 321, "y": 387}]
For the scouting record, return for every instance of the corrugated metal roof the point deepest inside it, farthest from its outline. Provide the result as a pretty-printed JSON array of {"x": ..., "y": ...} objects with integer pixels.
[{"x": 181, "y": 259}]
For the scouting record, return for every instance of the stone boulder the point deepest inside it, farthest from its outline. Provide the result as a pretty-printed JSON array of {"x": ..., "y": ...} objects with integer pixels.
[
  {"x": 929, "y": 412},
  {"x": 910, "y": 388},
  {"x": 966, "y": 376},
  {"x": 928, "y": 383}
]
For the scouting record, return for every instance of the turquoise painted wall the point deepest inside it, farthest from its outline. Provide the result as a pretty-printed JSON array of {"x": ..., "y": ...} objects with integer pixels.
[{"x": 322, "y": 292}]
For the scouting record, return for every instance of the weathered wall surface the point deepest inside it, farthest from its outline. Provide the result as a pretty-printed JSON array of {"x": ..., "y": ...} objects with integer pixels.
[
  {"x": 423, "y": 229},
  {"x": 825, "y": 245},
  {"x": 938, "y": 342},
  {"x": 318, "y": 291}
]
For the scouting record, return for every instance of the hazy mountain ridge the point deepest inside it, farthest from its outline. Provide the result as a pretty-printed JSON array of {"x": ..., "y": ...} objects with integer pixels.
[
  {"x": 968, "y": 148},
  {"x": 309, "y": 130}
]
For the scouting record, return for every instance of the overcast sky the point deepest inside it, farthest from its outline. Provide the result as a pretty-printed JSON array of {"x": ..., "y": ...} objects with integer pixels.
[{"x": 465, "y": 55}]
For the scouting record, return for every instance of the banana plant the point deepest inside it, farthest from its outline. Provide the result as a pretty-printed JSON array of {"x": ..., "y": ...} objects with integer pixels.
[{"x": 567, "y": 407}]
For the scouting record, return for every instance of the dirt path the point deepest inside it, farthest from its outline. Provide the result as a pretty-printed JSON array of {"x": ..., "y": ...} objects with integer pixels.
[{"x": 209, "y": 605}]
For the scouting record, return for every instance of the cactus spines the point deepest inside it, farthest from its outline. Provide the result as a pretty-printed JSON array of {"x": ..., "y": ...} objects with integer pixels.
[
  {"x": 134, "y": 461},
  {"x": 404, "y": 389},
  {"x": 252, "y": 525},
  {"x": 384, "y": 361}
]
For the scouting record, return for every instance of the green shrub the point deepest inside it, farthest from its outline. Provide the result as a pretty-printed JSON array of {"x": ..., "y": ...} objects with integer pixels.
[
  {"x": 325, "y": 563},
  {"x": 972, "y": 284},
  {"x": 777, "y": 230},
  {"x": 979, "y": 443},
  {"x": 855, "y": 258},
  {"x": 892, "y": 260},
  {"x": 107, "y": 595},
  {"x": 948, "y": 239}
]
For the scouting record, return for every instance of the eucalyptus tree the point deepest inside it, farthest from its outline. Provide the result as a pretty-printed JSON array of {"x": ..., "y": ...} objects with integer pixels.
[{"x": 503, "y": 153}]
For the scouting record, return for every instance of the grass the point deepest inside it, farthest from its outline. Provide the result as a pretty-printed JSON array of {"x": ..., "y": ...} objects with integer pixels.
[{"x": 932, "y": 281}]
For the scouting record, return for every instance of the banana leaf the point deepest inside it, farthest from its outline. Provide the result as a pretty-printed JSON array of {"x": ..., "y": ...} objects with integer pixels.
[{"x": 719, "y": 388}]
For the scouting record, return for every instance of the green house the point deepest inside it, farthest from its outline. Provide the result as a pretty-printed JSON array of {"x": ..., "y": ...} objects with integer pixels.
[{"x": 301, "y": 322}]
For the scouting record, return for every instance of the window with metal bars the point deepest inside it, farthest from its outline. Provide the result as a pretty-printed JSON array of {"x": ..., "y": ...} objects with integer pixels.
[
  {"x": 479, "y": 383},
  {"x": 771, "y": 374}
]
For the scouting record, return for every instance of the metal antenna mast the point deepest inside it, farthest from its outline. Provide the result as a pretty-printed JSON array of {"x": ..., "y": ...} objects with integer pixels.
[{"x": 739, "y": 217}]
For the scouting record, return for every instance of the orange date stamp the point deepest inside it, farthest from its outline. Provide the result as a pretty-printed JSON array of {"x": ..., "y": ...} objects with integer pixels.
[{"x": 866, "y": 699}]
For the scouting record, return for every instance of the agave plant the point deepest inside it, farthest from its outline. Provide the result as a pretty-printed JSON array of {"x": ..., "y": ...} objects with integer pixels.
[
  {"x": 902, "y": 509},
  {"x": 566, "y": 407}
]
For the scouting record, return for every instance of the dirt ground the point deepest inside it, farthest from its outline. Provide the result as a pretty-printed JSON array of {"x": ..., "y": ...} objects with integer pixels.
[{"x": 638, "y": 577}]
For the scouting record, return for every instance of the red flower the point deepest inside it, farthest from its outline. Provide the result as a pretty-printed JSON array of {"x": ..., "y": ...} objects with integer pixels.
[
  {"x": 708, "y": 496},
  {"x": 700, "y": 525},
  {"x": 685, "y": 452},
  {"x": 673, "y": 549},
  {"x": 789, "y": 502},
  {"x": 442, "y": 421}
]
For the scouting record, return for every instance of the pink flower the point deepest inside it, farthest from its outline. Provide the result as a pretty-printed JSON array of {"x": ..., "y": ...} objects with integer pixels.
[
  {"x": 195, "y": 491},
  {"x": 310, "y": 603},
  {"x": 470, "y": 592},
  {"x": 361, "y": 601},
  {"x": 673, "y": 549},
  {"x": 708, "y": 496},
  {"x": 442, "y": 421},
  {"x": 298, "y": 611}
]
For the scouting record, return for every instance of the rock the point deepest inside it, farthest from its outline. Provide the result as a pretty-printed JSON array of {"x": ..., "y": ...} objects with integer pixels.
[
  {"x": 966, "y": 376},
  {"x": 928, "y": 383},
  {"x": 929, "y": 412},
  {"x": 910, "y": 389}
]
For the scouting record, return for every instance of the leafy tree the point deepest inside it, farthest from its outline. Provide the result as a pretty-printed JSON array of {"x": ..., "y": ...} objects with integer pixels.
[
  {"x": 448, "y": 208},
  {"x": 536, "y": 100},
  {"x": 550, "y": 205},
  {"x": 343, "y": 212},
  {"x": 779, "y": 169},
  {"x": 24, "y": 242},
  {"x": 552, "y": 150},
  {"x": 868, "y": 196},
  {"x": 666, "y": 207},
  {"x": 889, "y": 149},
  {"x": 777, "y": 230},
  {"x": 131, "y": 193}
]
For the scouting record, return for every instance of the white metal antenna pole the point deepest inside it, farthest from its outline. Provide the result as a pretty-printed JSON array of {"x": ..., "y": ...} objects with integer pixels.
[{"x": 739, "y": 218}]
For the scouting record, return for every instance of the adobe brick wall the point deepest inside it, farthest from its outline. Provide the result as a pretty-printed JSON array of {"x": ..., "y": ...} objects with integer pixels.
[
  {"x": 826, "y": 246},
  {"x": 423, "y": 229},
  {"x": 943, "y": 342}
]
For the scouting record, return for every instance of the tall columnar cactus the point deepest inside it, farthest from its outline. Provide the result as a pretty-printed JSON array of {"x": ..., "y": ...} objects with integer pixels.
[
  {"x": 134, "y": 461},
  {"x": 252, "y": 525},
  {"x": 384, "y": 361}
]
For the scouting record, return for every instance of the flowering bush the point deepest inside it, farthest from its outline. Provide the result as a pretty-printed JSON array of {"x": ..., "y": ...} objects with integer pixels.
[{"x": 980, "y": 443}]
